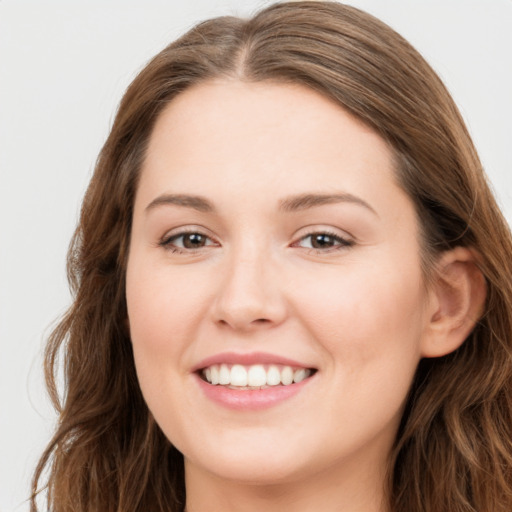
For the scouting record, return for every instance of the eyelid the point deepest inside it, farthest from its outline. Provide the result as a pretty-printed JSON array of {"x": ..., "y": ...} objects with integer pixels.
[
  {"x": 345, "y": 239},
  {"x": 169, "y": 236}
]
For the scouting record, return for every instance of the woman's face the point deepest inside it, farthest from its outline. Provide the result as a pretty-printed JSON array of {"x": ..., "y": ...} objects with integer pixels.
[{"x": 270, "y": 241}]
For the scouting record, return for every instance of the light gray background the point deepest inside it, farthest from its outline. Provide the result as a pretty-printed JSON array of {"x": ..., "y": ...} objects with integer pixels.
[{"x": 63, "y": 68}]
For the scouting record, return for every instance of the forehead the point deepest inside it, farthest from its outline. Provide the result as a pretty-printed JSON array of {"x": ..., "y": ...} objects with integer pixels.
[{"x": 262, "y": 138}]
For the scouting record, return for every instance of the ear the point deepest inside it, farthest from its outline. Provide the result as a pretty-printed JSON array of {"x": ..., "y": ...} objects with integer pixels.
[{"x": 457, "y": 302}]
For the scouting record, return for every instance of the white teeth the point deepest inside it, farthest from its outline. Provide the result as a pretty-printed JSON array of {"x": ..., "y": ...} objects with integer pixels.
[
  {"x": 286, "y": 376},
  {"x": 238, "y": 375},
  {"x": 273, "y": 376},
  {"x": 215, "y": 374},
  {"x": 224, "y": 374},
  {"x": 299, "y": 375},
  {"x": 255, "y": 376}
]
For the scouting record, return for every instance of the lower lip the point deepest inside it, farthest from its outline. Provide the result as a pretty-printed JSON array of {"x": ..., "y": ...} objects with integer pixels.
[{"x": 250, "y": 400}]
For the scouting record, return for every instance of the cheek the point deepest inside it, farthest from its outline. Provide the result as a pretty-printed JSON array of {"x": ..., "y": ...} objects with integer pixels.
[
  {"x": 366, "y": 315},
  {"x": 164, "y": 306}
]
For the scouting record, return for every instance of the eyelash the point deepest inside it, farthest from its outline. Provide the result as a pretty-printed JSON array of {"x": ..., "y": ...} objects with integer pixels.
[
  {"x": 340, "y": 242},
  {"x": 167, "y": 242}
]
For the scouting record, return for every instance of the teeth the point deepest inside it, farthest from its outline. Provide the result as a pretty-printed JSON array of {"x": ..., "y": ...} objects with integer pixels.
[
  {"x": 299, "y": 375},
  {"x": 255, "y": 376},
  {"x": 238, "y": 376},
  {"x": 286, "y": 376},
  {"x": 273, "y": 376},
  {"x": 224, "y": 374},
  {"x": 214, "y": 374}
]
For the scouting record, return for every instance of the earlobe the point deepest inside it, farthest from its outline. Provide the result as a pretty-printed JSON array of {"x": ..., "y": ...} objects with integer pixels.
[{"x": 458, "y": 297}]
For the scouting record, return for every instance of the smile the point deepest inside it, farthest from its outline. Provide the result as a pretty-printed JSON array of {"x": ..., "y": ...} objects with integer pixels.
[
  {"x": 252, "y": 381},
  {"x": 254, "y": 377}
]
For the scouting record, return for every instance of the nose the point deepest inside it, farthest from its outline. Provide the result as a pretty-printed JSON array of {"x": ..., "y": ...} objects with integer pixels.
[{"x": 250, "y": 295}]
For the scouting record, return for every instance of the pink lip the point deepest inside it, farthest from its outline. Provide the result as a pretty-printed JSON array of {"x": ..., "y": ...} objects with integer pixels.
[
  {"x": 247, "y": 360},
  {"x": 250, "y": 400},
  {"x": 245, "y": 400}
]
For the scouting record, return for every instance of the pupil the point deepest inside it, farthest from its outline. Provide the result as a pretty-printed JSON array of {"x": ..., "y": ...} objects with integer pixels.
[
  {"x": 193, "y": 241},
  {"x": 320, "y": 241}
]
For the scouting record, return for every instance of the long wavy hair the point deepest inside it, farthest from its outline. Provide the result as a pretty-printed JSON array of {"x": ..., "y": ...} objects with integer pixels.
[{"x": 453, "y": 450}]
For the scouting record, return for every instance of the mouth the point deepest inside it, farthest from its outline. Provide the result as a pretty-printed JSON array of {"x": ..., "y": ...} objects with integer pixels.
[
  {"x": 252, "y": 381},
  {"x": 255, "y": 376}
]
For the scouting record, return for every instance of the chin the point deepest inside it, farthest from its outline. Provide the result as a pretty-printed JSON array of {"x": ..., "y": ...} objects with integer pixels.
[
  {"x": 260, "y": 456},
  {"x": 261, "y": 470}
]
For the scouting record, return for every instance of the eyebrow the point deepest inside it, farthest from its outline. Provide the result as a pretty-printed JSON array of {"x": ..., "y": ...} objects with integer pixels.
[
  {"x": 290, "y": 204},
  {"x": 305, "y": 201},
  {"x": 195, "y": 202}
]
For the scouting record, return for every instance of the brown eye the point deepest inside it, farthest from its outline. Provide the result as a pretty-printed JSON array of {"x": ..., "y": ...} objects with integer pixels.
[
  {"x": 187, "y": 242},
  {"x": 194, "y": 240},
  {"x": 323, "y": 242}
]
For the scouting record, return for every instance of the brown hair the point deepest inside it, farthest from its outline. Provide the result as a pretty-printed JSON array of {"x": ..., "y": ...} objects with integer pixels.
[{"x": 454, "y": 447}]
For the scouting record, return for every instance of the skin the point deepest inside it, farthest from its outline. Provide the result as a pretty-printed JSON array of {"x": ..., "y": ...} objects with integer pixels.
[{"x": 358, "y": 312}]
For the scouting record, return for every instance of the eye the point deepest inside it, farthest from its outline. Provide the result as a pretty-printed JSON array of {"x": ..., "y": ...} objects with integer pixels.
[
  {"x": 187, "y": 241},
  {"x": 323, "y": 242}
]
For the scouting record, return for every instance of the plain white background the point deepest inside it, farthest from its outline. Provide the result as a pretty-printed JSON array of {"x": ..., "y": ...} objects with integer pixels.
[{"x": 63, "y": 68}]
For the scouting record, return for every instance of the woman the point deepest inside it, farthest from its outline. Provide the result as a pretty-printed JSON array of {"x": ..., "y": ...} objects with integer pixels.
[{"x": 292, "y": 285}]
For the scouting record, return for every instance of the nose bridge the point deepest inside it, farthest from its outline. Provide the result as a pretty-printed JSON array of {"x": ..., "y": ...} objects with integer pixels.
[{"x": 249, "y": 293}]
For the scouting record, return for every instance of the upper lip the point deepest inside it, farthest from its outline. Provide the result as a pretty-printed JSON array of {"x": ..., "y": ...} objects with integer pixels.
[{"x": 248, "y": 360}]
